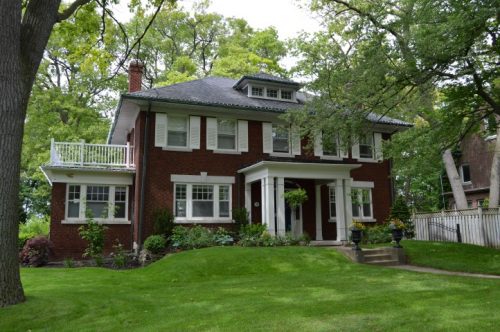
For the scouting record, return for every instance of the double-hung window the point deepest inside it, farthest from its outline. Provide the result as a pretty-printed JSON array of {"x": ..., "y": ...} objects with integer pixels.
[
  {"x": 177, "y": 131},
  {"x": 281, "y": 139},
  {"x": 366, "y": 146},
  {"x": 226, "y": 134},
  {"x": 362, "y": 203},
  {"x": 202, "y": 202},
  {"x": 465, "y": 174},
  {"x": 105, "y": 203}
]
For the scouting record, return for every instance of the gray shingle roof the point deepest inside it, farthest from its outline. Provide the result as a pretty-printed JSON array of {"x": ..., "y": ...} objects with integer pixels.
[
  {"x": 267, "y": 78},
  {"x": 219, "y": 91}
]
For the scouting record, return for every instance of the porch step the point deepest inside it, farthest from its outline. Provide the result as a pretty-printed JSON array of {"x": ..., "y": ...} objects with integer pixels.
[
  {"x": 325, "y": 243},
  {"x": 377, "y": 257},
  {"x": 383, "y": 262}
]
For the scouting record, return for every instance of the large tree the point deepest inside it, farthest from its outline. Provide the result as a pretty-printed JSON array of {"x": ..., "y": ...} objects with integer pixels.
[
  {"x": 25, "y": 28},
  {"x": 383, "y": 56}
]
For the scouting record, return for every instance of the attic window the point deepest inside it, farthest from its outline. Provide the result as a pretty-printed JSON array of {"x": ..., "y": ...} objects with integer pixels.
[
  {"x": 286, "y": 95},
  {"x": 272, "y": 93},
  {"x": 257, "y": 91}
]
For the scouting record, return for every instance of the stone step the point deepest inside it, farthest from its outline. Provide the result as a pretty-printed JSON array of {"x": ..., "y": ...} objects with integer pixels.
[
  {"x": 383, "y": 262},
  {"x": 375, "y": 251},
  {"x": 325, "y": 243},
  {"x": 377, "y": 257}
]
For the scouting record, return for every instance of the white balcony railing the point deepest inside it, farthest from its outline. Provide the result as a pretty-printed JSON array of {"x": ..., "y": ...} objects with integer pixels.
[{"x": 91, "y": 155}]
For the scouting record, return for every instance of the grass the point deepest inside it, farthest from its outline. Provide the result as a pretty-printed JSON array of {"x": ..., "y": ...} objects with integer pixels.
[
  {"x": 252, "y": 289},
  {"x": 451, "y": 256}
]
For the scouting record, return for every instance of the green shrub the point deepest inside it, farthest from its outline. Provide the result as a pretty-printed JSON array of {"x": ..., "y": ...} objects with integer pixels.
[
  {"x": 250, "y": 235},
  {"x": 35, "y": 226},
  {"x": 69, "y": 263},
  {"x": 155, "y": 243},
  {"x": 194, "y": 237},
  {"x": 240, "y": 217},
  {"x": 222, "y": 237},
  {"x": 93, "y": 233},
  {"x": 377, "y": 234},
  {"x": 163, "y": 222},
  {"x": 295, "y": 197},
  {"x": 400, "y": 210},
  {"x": 119, "y": 257}
]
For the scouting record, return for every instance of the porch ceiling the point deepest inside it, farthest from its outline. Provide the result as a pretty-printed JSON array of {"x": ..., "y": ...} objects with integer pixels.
[{"x": 316, "y": 171}]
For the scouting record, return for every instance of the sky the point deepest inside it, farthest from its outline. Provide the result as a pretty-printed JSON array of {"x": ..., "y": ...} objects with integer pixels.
[{"x": 285, "y": 15}]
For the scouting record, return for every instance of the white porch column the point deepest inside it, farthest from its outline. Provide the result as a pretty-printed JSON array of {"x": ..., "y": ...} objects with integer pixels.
[
  {"x": 248, "y": 200},
  {"x": 263, "y": 201},
  {"x": 270, "y": 205},
  {"x": 280, "y": 206},
  {"x": 319, "y": 226},
  {"x": 340, "y": 210},
  {"x": 348, "y": 209}
]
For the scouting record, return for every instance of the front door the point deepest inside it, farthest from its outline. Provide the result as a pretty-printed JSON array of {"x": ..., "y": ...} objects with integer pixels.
[{"x": 293, "y": 220}]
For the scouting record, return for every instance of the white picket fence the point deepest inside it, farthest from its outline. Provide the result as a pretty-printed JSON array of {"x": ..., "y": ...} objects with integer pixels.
[{"x": 477, "y": 226}]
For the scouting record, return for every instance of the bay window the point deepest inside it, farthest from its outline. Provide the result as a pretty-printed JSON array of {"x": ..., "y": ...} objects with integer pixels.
[
  {"x": 202, "y": 202},
  {"x": 104, "y": 203}
]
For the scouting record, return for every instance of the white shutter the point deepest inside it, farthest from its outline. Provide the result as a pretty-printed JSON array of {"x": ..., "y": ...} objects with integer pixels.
[
  {"x": 211, "y": 133},
  {"x": 318, "y": 144},
  {"x": 194, "y": 132},
  {"x": 355, "y": 151},
  {"x": 242, "y": 136},
  {"x": 161, "y": 130},
  {"x": 267, "y": 137},
  {"x": 377, "y": 138},
  {"x": 296, "y": 142},
  {"x": 343, "y": 150}
]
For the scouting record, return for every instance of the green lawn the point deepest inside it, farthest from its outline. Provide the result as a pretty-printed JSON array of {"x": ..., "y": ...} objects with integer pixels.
[
  {"x": 249, "y": 289},
  {"x": 451, "y": 256}
]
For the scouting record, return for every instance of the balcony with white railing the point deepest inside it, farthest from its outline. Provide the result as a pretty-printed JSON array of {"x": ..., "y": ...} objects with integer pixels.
[{"x": 81, "y": 154}]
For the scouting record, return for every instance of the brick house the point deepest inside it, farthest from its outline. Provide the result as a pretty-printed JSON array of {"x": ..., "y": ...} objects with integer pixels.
[
  {"x": 204, "y": 147},
  {"x": 474, "y": 168}
]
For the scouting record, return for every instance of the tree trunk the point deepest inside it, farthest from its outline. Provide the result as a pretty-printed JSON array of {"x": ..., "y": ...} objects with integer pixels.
[
  {"x": 454, "y": 178},
  {"x": 22, "y": 43},
  {"x": 495, "y": 175},
  {"x": 11, "y": 129}
]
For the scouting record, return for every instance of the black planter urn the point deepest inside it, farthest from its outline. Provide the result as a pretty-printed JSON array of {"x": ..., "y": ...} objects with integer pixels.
[
  {"x": 397, "y": 235},
  {"x": 356, "y": 235}
]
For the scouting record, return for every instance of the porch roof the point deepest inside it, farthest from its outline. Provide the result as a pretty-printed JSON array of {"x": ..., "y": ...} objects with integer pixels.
[{"x": 297, "y": 170}]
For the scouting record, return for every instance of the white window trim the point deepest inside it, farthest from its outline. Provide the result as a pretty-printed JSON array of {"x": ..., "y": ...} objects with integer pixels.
[
  {"x": 178, "y": 148},
  {"x": 331, "y": 157},
  {"x": 290, "y": 147},
  {"x": 462, "y": 174},
  {"x": 330, "y": 218},
  {"x": 364, "y": 185},
  {"x": 264, "y": 93},
  {"x": 189, "y": 219},
  {"x": 82, "y": 219}
]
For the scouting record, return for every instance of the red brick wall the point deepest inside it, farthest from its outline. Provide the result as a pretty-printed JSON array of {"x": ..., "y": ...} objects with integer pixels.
[{"x": 67, "y": 242}]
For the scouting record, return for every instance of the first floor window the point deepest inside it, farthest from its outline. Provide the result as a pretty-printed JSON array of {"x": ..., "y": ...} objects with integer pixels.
[
  {"x": 226, "y": 134},
  {"x": 97, "y": 201},
  {"x": 202, "y": 201},
  {"x": 361, "y": 203},
  {"x": 333, "y": 204},
  {"x": 281, "y": 139},
  {"x": 101, "y": 202},
  {"x": 366, "y": 146}
]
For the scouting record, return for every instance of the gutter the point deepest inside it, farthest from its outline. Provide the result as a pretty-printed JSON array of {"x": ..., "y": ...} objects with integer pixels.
[{"x": 143, "y": 177}]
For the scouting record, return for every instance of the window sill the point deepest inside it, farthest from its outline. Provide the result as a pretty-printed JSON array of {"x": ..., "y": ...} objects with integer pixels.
[
  {"x": 331, "y": 158},
  {"x": 367, "y": 160},
  {"x": 203, "y": 221},
  {"x": 281, "y": 154},
  {"x": 332, "y": 220},
  {"x": 227, "y": 151},
  {"x": 178, "y": 149},
  {"x": 103, "y": 222}
]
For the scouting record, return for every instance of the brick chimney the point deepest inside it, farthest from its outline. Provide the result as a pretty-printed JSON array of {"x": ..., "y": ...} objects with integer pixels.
[{"x": 135, "y": 68}]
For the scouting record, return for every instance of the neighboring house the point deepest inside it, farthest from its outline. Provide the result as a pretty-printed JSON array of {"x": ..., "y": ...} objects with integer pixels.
[
  {"x": 205, "y": 147},
  {"x": 474, "y": 168}
]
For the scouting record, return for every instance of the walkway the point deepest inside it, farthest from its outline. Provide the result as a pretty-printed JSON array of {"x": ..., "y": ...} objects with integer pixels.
[{"x": 443, "y": 272}]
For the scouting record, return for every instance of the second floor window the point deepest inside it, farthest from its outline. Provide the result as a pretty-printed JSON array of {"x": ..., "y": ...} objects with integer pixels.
[
  {"x": 177, "y": 131},
  {"x": 366, "y": 146},
  {"x": 330, "y": 145},
  {"x": 465, "y": 173},
  {"x": 226, "y": 134},
  {"x": 281, "y": 139}
]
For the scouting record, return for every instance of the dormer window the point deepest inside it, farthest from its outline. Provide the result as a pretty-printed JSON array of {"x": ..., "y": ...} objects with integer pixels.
[
  {"x": 286, "y": 95},
  {"x": 256, "y": 91},
  {"x": 272, "y": 93}
]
